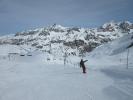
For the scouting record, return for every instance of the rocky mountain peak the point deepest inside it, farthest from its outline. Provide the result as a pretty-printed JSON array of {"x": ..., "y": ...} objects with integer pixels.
[{"x": 75, "y": 39}]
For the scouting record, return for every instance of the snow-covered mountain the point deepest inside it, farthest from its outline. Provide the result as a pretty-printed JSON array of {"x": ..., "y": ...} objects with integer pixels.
[
  {"x": 59, "y": 40},
  {"x": 109, "y": 75}
]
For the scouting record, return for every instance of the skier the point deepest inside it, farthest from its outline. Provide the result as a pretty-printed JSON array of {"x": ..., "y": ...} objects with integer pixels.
[{"x": 82, "y": 65}]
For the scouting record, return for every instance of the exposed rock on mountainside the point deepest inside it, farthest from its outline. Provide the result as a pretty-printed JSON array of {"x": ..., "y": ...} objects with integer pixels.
[{"x": 57, "y": 38}]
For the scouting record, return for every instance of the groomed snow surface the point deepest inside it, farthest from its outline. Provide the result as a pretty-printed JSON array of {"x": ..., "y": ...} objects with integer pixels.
[
  {"x": 35, "y": 81},
  {"x": 37, "y": 78}
]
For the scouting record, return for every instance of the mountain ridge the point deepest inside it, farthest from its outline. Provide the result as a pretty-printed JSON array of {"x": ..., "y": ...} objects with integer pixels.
[{"x": 73, "y": 40}]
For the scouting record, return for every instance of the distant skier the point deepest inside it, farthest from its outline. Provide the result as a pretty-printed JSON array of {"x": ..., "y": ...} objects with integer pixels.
[{"x": 82, "y": 65}]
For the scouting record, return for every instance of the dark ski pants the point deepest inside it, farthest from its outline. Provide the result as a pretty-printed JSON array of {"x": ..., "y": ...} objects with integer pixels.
[{"x": 84, "y": 69}]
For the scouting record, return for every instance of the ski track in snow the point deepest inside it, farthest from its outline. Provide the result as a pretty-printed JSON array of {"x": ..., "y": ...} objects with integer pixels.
[
  {"x": 38, "y": 81},
  {"x": 31, "y": 78},
  {"x": 123, "y": 84}
]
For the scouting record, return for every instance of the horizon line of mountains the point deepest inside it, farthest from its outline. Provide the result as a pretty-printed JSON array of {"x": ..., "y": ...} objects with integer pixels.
[{"x": 75, "y": 40}]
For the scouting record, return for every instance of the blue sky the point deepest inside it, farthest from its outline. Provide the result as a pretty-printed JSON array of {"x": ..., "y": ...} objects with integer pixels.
[{"x": 19, "y": 15}]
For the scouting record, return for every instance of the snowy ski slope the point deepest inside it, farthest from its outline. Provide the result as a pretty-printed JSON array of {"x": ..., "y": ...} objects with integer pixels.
[{"x": 37, "y": 78}]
